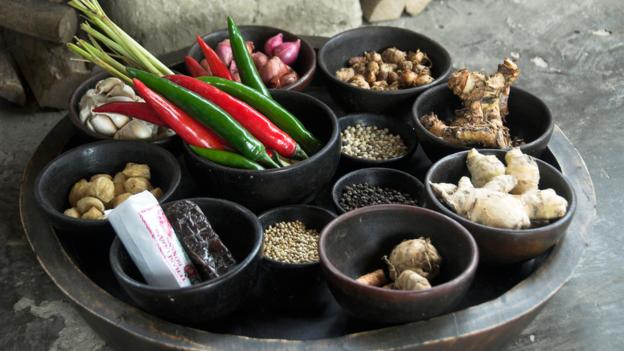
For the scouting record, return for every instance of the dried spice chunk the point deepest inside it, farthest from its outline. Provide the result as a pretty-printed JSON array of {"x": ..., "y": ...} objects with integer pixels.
[{"x": 209, "y": 255}]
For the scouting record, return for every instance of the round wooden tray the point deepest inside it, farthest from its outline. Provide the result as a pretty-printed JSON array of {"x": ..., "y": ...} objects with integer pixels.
[{"x": 486, "y": 325}]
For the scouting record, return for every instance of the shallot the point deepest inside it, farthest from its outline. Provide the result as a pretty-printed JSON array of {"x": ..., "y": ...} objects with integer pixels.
[
  {"x": 288, "y": 51},
  {"x": 272, "y": 43},
  {"x": 224, "y": 51}
]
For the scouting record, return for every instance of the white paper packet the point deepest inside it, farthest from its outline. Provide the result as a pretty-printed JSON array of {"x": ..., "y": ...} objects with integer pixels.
[{"x": 145, "y": 232}]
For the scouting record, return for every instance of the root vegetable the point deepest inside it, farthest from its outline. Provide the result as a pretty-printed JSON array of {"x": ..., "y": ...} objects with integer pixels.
[
  {"x": 417, "y": 255},
  {"x": 72, "y": 212},
  {"x": 483, "y": 205},
  {"x": 410, "y": 280},
  {"x": 78, "y": 191},
  {"x": 484, "y": 97},
  {"x": 345, "y": 74},
  {"x": 524, "y": 169},
  {"x": 483, "y": 168},
  {"x": 102, "y": 188},
  {"x": 393, "y": 55},
  {"x": 120, "y": 198},
  {"x": 135, "y": 185},
  {"x": 86, "y": 203},
  {"x": 544, "y": 204},
  {"x": 93, "y": 213},
  {"x": 157, "y": 192},
  {"x": 375, "y": 278},
  {"x": 359, "y": 81},
  {"x": 136, "y": 170},
  {"x": 100, "y": 175}
]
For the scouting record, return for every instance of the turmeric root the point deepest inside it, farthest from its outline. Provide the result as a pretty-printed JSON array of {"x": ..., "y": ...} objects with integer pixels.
[
  {"x": 417, "y": 255},
  {"x": 544, "y": 204},
  {"x": 484, "y": 97},
  {"x": 410, "y": 280},
  {"x": 375, "y": 278}
]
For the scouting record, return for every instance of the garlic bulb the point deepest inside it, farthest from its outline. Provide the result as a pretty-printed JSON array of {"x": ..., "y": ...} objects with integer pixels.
[{"x": 115, "y": 125}]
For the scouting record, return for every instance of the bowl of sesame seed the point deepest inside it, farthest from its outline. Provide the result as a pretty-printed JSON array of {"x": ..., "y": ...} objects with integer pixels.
[
  {"x": 290, "y": 271},
  {"x": 373, "y": 140}
]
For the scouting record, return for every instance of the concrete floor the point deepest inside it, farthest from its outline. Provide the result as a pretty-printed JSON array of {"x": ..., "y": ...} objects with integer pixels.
[{"x": 571, "y": 54}]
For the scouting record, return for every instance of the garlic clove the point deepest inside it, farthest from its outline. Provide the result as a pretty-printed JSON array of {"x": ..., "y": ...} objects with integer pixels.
[
  {"x": 85, "y": 113},
  {"x": 119, "y": 120},
  {"x": 105, "y": 85},
  {"x": 89, "y": 125},
  {"x": 122, "y": 90},
  {"x": 103, "y": 125},
  {"x": 135, "y": 129},
  {"x": 119, "y": 98}
]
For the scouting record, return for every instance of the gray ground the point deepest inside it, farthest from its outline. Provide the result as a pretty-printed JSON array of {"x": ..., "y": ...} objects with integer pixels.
[{"x": 571, "y": 54}]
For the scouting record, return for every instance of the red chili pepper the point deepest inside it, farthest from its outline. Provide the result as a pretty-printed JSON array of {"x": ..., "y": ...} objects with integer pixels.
[
  {"x": 257, "y": 124},
  {"x": 138, "y": 110},
  {"x": 186, "y": 127},
  {"x": 194, "y": 68},
  {"x": 205, "y": 66},
  {"x": 217, "y": 67}
]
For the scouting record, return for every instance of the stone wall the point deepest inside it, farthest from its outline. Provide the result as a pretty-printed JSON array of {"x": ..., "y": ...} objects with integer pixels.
[{"x": 167, "y": 25}]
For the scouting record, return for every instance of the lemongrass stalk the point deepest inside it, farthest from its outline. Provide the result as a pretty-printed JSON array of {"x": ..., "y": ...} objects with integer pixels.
[
  {"x": 153, "y": 60},
  {"x": 99, "y": 53},
  {"x": 96, "y": 60},
  {"x": 103, "y": 38}
]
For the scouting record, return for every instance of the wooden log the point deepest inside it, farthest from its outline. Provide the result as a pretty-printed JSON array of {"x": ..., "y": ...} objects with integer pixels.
[
  {"x": 51, "y": 70},
  {"x": 414, "y": 7},
  {"x": 11, "y": 87},
  {"x": 382, "y": 10},
  {"x": 53, "y": 22}
]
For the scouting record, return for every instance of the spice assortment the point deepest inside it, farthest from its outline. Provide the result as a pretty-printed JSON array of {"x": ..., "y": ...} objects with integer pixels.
[
  {"x": 225, "y": 113},
  {"x": 89, "y": 199},
  {"x": 391, "y": 69},
  {"x": 411, "y": 265},
  {"x": 499, "y": 196},
  {"x": 481, "y": 121},
  {"x": 371, "y": 142},
  {"x": 291, "y": 242},
  {"x": 361, "y": 195}
]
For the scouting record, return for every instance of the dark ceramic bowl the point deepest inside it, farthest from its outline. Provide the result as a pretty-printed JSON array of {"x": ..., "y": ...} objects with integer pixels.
[
  {"x": 305, "y": 65},
  {"x": 57, "y": 178},
  {"x": 294, "y": 286},
  {"x": 382, "y": 177},
  {"x": 498, "y": 245},
  {"x": 207, "y": 301},
  {"x": 85, "y": 133},
  {"x": 354, "y": 243},
  {"x": 529, "y": 119},
  {"x": 261, "y": 190},
  {"x": 341, "y": 47},
  {"x": 394, "y": 126}
]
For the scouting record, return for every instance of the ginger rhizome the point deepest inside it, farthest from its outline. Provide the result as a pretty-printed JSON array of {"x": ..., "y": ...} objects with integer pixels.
[
  {"x": 481, "y": 121},
  {"x": 492, "y": 203}
]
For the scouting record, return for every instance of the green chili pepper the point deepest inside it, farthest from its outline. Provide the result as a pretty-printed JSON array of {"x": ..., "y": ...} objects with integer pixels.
[
  {"x": 207, "y": 113},
  {"x": 270, "y": 109},
  {"x": 246, "y": 67},
  {"x": 226, "y": 158}
]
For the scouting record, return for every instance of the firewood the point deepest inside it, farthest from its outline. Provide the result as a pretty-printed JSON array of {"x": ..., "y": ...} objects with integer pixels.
[
  {"x": 382, "y": 10},
  {"x": 414, "y": 7},
  {"x": 41, "y": 19},
  {"x": 51, "y": 70},
  {"x": 11, "y": 87}
]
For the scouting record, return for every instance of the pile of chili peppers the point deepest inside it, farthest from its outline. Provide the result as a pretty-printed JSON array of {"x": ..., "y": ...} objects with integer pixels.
[{"x": 233, "y": 124}]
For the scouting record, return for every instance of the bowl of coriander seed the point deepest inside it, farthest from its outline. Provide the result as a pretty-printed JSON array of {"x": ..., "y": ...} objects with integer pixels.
[
  {"x": 373, "y": 140},
  {"x": 290, "y": 272}
]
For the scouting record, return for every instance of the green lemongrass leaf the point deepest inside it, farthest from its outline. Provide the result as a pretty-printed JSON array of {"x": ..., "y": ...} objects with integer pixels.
[{"x": 102, "y": 55}]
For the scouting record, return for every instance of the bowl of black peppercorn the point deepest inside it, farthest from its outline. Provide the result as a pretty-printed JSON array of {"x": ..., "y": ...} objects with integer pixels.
[{"x": 375, "y": 186}]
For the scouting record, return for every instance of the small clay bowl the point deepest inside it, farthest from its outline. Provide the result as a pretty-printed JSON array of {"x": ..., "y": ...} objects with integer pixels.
[
  {"x": 294, "y": 286},
  {"x": 341, "y": 47},
  {"x": 381, "y": 177},
  {"x": 305, "y": 65},
  {"x": 85, "y": 239},
  {"x": 394, "y": 126},
  {"x": 261, "y": 190},
  {"x": 57, "y": 178},
  {"x": 210, "y": 300},
  {"x": 168, "y": 142},
  {"x": 354, "y": 244},
  {"x": 497, "y": 245},
  {"x": 529, "y": 119}
]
